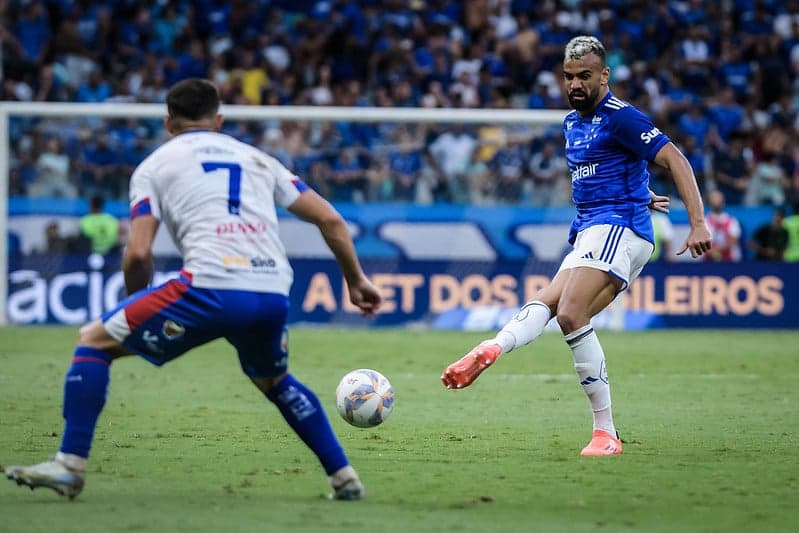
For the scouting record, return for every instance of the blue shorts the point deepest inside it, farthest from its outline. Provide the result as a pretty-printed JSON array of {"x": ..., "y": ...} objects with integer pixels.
[{"x": 164, "y": 322}]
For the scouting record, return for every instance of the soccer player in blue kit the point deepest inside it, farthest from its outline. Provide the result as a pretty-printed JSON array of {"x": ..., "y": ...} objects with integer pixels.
[
  {"x": 217, "y": 198},
  {"x": 608, "y": 146}
]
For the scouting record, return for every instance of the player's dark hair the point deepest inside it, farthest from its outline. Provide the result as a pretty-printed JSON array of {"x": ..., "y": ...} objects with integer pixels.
[{"x": 192, "y": 99}]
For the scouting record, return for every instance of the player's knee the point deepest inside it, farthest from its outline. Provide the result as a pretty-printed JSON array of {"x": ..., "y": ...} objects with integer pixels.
[
  {"x": 94, "y": 335},
  {"x": 267, "y": 384},
  {"x": 569, "y": 321}
]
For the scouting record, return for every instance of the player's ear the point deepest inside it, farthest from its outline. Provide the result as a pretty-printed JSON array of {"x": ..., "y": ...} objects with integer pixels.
[
  {"x": 604, "y": 76},
  {"x": 218, "y": 123},
  {"x": 168, "y": 125}
]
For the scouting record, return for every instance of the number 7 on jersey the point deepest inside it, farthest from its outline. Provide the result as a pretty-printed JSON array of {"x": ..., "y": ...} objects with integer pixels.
[{"x": 234, "y": 182}]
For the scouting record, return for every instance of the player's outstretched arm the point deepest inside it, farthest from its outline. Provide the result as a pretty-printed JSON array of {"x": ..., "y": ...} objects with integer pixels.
[
  {"x": 699, "y": 238},
  {"x": 137, "y": 260},
  {"x": 314, "y": 209}
]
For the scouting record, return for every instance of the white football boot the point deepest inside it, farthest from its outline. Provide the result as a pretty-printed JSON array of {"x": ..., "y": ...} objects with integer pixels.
[{"x": 52, "y": 474}]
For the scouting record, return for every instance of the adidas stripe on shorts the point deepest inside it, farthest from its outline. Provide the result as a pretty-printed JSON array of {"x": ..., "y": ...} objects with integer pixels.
[{"x": 617, "y": 250}]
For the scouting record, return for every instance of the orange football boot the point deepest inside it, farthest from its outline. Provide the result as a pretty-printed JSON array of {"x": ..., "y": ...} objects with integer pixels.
[
  {"x": 465, "y": 370},
  {"x": 602, "y": 443}
]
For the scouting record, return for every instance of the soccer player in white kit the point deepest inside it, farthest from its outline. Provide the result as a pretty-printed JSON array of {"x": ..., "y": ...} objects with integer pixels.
[
  {"x": 608, "y": 146},
  {"x": 217, "y": 197}
]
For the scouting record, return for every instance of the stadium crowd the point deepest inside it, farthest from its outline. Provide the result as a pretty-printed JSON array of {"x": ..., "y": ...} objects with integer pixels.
[{"x": 721, "y": 78}]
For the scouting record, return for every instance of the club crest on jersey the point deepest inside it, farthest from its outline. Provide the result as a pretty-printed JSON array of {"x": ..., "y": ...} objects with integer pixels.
[{"x": 172, "y": 330}]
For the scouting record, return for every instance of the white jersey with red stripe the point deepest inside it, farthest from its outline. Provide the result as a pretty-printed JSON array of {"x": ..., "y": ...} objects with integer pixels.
[
  {"x": 725, "y": 230},
  {"x": 217, "y": 197}
]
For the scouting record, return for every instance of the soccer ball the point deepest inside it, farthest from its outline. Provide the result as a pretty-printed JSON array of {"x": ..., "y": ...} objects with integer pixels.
[{"x": 364, "y": 398}]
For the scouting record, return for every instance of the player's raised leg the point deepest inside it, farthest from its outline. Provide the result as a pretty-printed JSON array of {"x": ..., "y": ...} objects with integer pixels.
[
  {"x": 589, "y": 291},
  {"x": 85, "y": 389},
  {"x": 521, "y": 330}
]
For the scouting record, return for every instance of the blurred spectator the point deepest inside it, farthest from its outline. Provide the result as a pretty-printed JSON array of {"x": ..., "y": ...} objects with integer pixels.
[
  {"x": 96, "y": 89},
  {"x": 695, "y": 123},
  {"x": 769, "y": 181},
  {"x": 99, "y": 227},
  {"x": 732, "y": 169},
  {"x": 695, "y": 55},
  {"x": 348, "y": 181},
  {"x": 450, "y": 155},
  {"x": 55, "y": 243},
  {"x": 509, "y": 168},
  {"x": 25, "y": 172},
  {"x": 480, "y": 180},
  {"x": 31, "y": 33},
  {"x": 550, "y": 177},
  {"x": 53, "y": 173},
  {"x": 100, "y": 165},
  {"x": 664, "y": 235},
  {"x": 770, "y": 240},
  {"x": 735, "y": 72},
  {"x": 405, "y": 163},
  {"x": 791, "y": 225},
  {"x": 726, "y": 231},
  {"x": 726, "y": 113}
]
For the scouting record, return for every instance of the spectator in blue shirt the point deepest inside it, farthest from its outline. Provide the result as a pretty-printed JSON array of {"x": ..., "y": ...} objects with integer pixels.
[
  {"x": 32, "y": 32},
  {"x": 96, "y": 89},
  {"x": 726, "y": 114},
  {"x": 695, "y": 124}
]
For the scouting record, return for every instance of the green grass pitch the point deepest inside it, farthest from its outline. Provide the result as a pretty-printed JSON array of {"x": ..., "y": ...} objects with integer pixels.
[{"x": 709, "y": 418}]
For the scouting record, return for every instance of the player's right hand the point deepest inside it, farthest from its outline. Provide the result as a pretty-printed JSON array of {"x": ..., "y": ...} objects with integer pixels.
[
  {"x": 699, "y": 240},
  {"x": 365, "y": 296}
]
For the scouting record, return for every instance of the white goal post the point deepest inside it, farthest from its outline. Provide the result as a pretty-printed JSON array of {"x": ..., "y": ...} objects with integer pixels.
[{"x": 239, "y": 113}]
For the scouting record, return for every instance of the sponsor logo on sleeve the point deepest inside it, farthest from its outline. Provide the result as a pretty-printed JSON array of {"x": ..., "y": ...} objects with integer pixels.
[{"x": 647, "y": 136}]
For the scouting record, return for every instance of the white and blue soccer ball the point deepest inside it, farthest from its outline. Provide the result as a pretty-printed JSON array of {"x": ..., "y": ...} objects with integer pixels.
[{"x": 364, "y": 398}]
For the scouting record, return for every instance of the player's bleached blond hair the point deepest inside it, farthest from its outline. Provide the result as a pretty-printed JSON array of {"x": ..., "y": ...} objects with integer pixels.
[{"x": 583, "y": 45}]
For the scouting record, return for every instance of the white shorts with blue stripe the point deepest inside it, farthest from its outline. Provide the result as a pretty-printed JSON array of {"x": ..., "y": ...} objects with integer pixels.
[{"x": 617, "y": 250}]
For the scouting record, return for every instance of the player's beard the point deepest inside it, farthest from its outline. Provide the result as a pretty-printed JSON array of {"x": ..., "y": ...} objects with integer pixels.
[{"x": 583, "y": 104}]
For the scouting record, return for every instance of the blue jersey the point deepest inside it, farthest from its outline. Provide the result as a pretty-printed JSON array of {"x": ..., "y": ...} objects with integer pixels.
[{"x": 608, "y": 153}]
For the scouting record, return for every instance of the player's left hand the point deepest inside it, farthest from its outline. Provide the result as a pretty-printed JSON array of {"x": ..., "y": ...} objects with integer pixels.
[
  {"x": 365, "y": 296},
  {"x": 658, "y": 202},
  {"x": 699, "y": 240}
]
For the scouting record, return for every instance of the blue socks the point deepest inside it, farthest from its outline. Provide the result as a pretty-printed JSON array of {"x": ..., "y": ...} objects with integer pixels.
[
  {"x": 85, "y": 389},
  {"x": 303, "y": 412}
]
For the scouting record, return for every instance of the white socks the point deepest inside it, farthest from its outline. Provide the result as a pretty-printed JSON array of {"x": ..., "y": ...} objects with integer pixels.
[
  {"x": 589, "y": 362},
  {"x": 525, "y": 327},
  {"x": 589, "y": 359}
]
